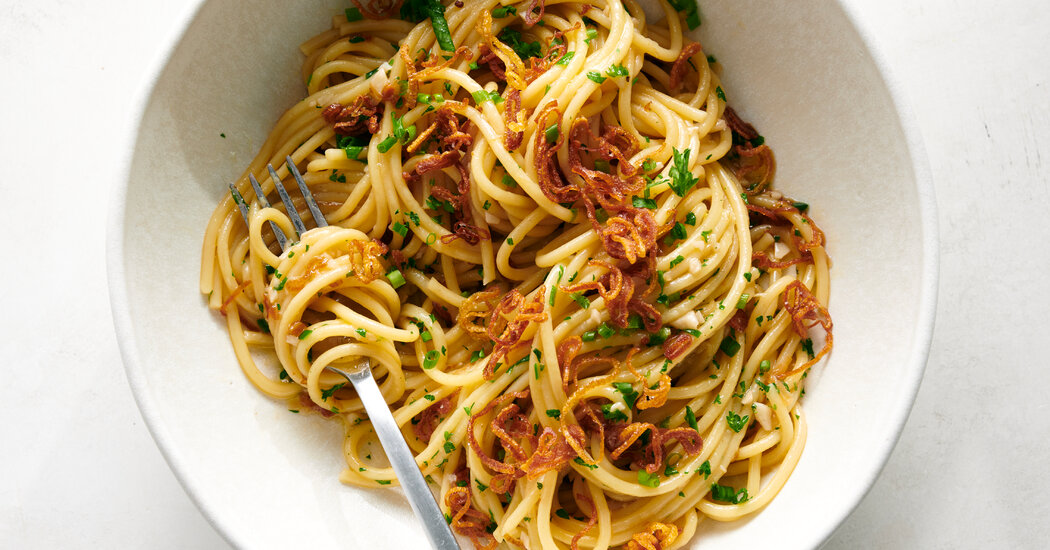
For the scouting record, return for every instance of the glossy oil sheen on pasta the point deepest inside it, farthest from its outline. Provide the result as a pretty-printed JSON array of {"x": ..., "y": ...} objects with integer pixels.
[{"x": 560, "y": 249}]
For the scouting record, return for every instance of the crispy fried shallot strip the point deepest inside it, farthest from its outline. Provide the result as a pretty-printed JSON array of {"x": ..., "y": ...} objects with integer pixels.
[
  {"x": 755, "y": 165},
  {"x": 452, "y": 137},
  {"x": 488, "y": 57},
  {"x": 365, "y": 260},
  {"x": 515, "y": 69},
  {"x": 650, "y": 397},
  {"x": 472, "y": 440},
  {"x": 651, "y": 456},
  {"x": 428, "y": 419},
  {"x": 468, "y": 521},
  {"x": 364, "y": 113},
  {"x": 804, "y": 307},
  {"x": 548, "y": 174},
  {"x": 592, "y": 519},
  {"x": 511, "y": 427},
  {"x": 622, "y": 295},
  {"x": 477, "y": 306},
  {"x": 316, "y": 266},
  {"x": 678, "y": 70},
  {"x": 567, "y": 350},
  {"x": 233, "y": 296},
  {"x": 610, "y": 190},
  {"x": 776, "y": 215},
  {"x": 676, "y": 345},
  {"x": 514, "y": 119},
  {"x": 556, "y": 49},
  {"x": 657, "y": 536},
  {"x": 377, "y": 9},
  {"x": 530, "y": 16},
  {"x": 552, "y": 453},
  {"x": 431, "y": 66},
  {"x": 453, "y": 141},
  {"x": 508, "y": 322},
  {"x": 629, "y": 235}
]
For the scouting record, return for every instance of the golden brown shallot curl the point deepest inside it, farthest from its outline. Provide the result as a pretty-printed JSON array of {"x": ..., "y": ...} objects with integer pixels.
[
  {"x": 363, "y": 114},
  {"x": 508, "y": 322},
  {"x": 428, "y": 419},
  {"x": 430, "y": 66},
  {"x": 365, "y": 259},
  {"x": 478, "y": 306},
  {"x": 680, "y": 66},
  {"x": 592, "y": 519},
  {"x": 377, "y": 9},
  {"x": 468, "y": 521},
  {"x": 755, "y": 165},
  {"x": 676, "y": 345},
  {"x": 548, "y": 175},
  {"x": 807, "y": 312},
  {"x": 657, "y": 536}
]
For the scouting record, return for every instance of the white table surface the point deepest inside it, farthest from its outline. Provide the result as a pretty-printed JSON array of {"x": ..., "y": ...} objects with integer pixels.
[{"x": 78, "y": 468}]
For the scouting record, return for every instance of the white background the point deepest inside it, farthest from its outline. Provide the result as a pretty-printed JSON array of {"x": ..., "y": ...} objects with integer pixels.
[{"x": 78, "y": 468}]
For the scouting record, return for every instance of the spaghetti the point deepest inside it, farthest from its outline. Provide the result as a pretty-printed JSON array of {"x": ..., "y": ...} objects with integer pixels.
[{"x": 582, "y": 298}]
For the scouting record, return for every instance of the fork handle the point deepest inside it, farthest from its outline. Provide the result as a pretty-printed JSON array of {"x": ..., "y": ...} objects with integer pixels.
[{"x": 402, "y": 460}]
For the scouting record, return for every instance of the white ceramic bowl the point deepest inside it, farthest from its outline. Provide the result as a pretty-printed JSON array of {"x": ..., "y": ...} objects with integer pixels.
[{"x": 806, "y": 77}]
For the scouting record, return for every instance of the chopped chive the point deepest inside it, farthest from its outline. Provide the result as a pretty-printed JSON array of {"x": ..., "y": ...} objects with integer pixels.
[
  {"x": 386, "y": 144},
  {"x": 397, "y": 280}
]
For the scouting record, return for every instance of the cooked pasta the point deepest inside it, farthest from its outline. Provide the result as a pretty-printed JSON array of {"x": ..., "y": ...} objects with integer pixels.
[{"x": 582, "y": 298}]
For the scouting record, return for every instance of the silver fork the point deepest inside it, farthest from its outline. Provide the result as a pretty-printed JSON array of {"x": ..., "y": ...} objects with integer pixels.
[{"x": 397, "y": 451}]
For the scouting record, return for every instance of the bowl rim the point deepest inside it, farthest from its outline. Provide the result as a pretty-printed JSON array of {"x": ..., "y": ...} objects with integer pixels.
[{"x": 123, "y": 324}]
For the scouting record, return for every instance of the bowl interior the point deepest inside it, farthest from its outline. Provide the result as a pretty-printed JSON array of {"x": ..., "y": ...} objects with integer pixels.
[{"x": 267, "y": 478}]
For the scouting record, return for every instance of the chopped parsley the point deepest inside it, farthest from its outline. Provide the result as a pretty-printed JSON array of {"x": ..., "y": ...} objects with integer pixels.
[
  {"x": 690, "y": 10},
  {"x": 736, "y": 422},
  {"x": 524, "y": 49},
  {"x": 640, "y": 202},
  {"x": 580, "y": 461},
  {"x": 722, "y": 493},
  {"x": 690, "y": 418},
  {"x": 503, "y": 11},
  {"x": 327, "y": 394},
  {"x": 617, "y": 70},
  {"x": 565, "y": 59},
  {"x": 682, "y": 180}
]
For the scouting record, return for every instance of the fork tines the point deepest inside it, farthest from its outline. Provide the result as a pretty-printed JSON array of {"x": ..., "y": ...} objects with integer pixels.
[{"x": 293, "y": 213}]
